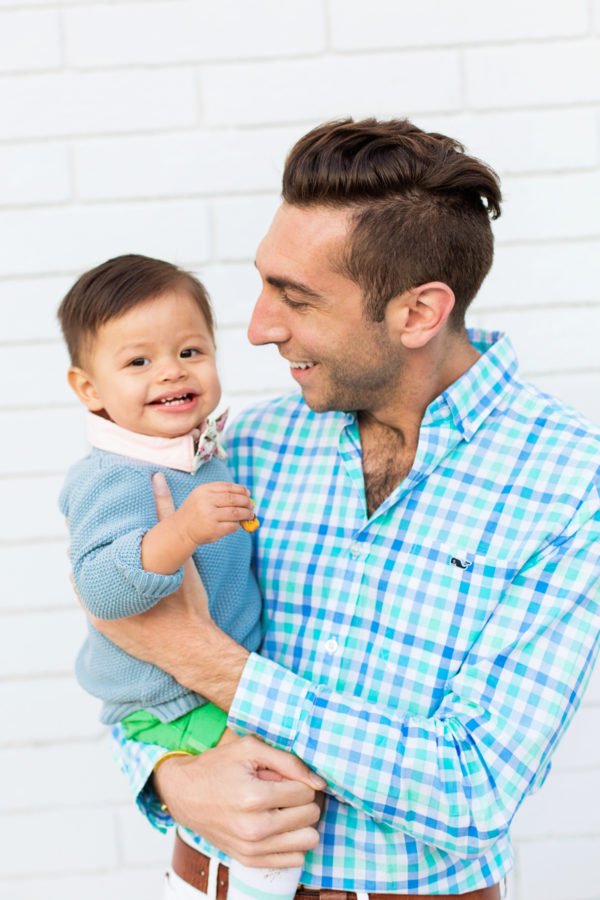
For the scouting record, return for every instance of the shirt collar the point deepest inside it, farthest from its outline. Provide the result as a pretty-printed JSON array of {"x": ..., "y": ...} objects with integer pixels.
[
  {"x": 172, "y": 453},
  {"x": 473, "y": 396}
]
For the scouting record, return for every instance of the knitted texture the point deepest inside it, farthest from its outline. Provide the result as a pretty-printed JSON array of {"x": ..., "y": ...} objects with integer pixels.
[{"x": 109, "y": 503}]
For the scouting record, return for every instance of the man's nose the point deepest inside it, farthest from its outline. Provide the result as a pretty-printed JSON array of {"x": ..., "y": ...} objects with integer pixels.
[{"x": 267, "y": 325}]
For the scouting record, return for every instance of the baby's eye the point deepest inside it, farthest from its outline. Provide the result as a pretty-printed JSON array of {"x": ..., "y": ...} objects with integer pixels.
[
  {"x": 140, "y": 361},
  {"x": 189, "y": 352}
]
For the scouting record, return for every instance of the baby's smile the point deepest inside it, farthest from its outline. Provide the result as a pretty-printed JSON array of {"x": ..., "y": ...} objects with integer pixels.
[{"x": 178, "y": 400}]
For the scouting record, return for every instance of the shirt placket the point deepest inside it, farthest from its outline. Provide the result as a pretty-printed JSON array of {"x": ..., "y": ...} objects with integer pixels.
[
  {"x": 434, "y": 445},
  {"x": 347, "y": 566}
]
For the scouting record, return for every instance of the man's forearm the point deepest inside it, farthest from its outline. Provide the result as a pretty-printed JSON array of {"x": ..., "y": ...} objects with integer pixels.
[
  {"x": 178, "y": 636},
  {"x": 209, "y": 663}
]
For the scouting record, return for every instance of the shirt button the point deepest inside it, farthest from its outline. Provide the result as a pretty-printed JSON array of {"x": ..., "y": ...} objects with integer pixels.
[
  {"x": 331, "y": 645},
  {"x": 356, "y": 550}
]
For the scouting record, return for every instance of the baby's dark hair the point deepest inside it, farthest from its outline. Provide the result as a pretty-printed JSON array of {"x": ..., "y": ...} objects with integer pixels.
[{"x": 116, "y": 286}]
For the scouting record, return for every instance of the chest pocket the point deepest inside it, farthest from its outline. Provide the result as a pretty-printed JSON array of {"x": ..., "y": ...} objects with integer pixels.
[{"x": 433, "y": 604}]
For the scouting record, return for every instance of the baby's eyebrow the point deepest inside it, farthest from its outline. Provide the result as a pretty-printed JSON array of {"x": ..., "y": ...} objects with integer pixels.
[{"x": 132, "y": 345}]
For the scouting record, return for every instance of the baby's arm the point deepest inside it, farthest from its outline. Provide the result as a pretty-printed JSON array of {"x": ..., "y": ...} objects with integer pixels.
[{"x": 210, "y": 512}]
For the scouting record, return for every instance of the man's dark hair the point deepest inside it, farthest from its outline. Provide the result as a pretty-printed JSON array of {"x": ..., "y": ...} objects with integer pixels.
[
  {"x": 422, "y": 207},
  {"x": 116, "y": 286}
]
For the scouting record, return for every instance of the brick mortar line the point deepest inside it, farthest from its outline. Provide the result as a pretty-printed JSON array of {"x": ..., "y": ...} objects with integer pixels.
[
  {"x": 585, "y": 38},
  {"x": 81, "y": 873},
  {"x": 280, "y": 124},
  {"x": 239, "y": 261},
  {"x": 100, "y": 739}
]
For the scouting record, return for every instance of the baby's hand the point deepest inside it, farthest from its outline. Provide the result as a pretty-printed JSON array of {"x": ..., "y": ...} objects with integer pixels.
[{"x": 215, "y": 509}]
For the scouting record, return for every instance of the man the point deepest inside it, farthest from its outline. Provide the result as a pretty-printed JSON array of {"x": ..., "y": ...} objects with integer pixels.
[{"x": 428, "y": 555}]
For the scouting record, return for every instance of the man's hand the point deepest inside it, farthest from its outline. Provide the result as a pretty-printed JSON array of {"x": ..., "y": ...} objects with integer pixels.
[{"x": 222, "y": 796}]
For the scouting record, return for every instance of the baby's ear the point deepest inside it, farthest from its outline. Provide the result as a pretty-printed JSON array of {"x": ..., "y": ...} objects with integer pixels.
[{"x": 84, "y": 387}]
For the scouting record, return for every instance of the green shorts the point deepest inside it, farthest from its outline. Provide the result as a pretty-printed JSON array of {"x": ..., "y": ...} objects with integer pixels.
[{"x": 195, "y": 732}]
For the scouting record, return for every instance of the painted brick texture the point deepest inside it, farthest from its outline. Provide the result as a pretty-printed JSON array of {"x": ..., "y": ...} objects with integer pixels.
[{"x": 161, "y": 127}]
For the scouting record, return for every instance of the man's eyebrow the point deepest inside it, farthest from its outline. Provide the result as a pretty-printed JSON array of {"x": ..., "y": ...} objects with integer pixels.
[
  {"x": 287, "y": 284},
  {"x": 283, "y": 284}
]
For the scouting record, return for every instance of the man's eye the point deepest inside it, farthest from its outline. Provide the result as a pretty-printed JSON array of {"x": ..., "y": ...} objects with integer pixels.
[
  {"x": 140, "y": 361},
  {"x": 293, "y": 304},
  {"x": 189, "y": 352}
]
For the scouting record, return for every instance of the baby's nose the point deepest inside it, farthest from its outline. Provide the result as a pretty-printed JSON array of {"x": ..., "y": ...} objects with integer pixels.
[{"x": 171, "y": 370}]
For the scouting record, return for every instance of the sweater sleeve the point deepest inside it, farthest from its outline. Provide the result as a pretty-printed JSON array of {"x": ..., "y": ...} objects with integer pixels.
[{"x": 109, "y": 511}]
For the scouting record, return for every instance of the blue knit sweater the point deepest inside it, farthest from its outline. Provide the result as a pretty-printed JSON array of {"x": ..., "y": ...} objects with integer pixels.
[{"x": 109, "y": 502}]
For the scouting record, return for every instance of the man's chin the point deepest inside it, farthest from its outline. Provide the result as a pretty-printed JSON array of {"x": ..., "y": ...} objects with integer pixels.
[{"x": 320, "y": 404}]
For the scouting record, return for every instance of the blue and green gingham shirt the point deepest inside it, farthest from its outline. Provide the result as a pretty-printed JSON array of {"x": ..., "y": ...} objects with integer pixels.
[{"x": 427, "y": 660}]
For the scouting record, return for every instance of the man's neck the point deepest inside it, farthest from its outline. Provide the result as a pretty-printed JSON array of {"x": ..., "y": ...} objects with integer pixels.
[
  {"x": 389, "y": 436},
  {"x": 428, "y": 372}
]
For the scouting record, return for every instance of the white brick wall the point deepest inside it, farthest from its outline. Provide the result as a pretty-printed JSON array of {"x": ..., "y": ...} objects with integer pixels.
[{"x": 160, "y": 126}]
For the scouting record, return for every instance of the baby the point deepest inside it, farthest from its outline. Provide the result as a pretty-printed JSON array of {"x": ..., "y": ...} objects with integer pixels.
[{"x": 140, "y": 337}]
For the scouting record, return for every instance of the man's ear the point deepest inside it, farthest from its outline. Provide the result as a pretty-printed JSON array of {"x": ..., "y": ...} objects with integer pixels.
[
  {"x": 80, "y": 381},
  {"x": 419, "y": 314}
]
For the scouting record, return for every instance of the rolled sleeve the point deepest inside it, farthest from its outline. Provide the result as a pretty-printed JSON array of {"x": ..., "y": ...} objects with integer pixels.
[
  {"x": 137, "y": 760},
  {"x": 270, "y": 701},
  {"x": 148, "y": 586}
]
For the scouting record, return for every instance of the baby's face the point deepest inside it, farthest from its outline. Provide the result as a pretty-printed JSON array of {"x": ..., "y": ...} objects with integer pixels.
[{"x": 153, "y": 369}]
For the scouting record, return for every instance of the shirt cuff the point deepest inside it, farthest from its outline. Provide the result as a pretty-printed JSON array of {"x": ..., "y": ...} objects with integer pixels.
[
  {"x": 270, "y": 701},
  {"x": 137, "y": 760}
]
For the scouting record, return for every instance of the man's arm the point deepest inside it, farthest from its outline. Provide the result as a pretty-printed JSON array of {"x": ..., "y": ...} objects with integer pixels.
[
  {"x": 196, "y": 647},
  {"x": 254, "y": 802},
  {"x": 456, "y": 778}
]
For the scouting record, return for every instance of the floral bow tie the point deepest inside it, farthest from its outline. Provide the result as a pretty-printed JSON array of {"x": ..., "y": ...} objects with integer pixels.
[{"x": 208, "y": 441}]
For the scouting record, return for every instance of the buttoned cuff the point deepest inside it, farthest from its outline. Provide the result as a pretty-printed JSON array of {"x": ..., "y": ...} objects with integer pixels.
[{"x": 271, "y": 702}]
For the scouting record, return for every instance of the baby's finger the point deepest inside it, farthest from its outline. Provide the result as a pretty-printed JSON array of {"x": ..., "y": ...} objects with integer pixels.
[
  {"x": 233, "y": 514},
  {"x": 230, "y": 487},
  {"x": 231, "y": 498}
]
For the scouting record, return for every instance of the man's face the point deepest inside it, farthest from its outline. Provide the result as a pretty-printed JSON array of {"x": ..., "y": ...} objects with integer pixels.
[{"x": 315, "y": 315}]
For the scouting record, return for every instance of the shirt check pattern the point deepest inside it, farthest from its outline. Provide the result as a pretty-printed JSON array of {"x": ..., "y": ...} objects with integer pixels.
[{"x": 427, "y": 660}]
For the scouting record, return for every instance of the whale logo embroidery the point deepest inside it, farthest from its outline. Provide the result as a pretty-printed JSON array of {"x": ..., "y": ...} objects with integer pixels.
[{"x": 460, "y": 563}]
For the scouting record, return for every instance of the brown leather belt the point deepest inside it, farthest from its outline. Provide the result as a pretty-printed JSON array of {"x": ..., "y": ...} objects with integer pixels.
[{"x": 193, "y": 866}]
